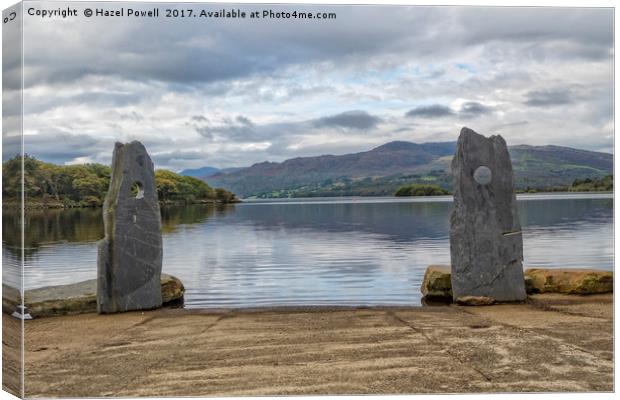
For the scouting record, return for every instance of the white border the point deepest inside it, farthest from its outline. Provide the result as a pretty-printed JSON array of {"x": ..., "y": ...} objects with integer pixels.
[{"x": 538, "y": 3}]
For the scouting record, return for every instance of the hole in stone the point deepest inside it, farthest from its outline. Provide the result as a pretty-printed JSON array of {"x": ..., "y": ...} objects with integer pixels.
[
  {"x": 483, "y": 175},
  {"x": 140, "y": 160},
  {"x": 137, "y": 190}
]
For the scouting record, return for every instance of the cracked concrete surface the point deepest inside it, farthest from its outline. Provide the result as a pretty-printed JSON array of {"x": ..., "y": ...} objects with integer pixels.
[{"x": 552, "y": 343}]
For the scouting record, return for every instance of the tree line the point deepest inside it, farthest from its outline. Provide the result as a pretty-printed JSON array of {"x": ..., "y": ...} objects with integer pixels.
[
  {"x": 603, "y": 184},
  {"x": 86, "y": 185},
  {"x": 417, "y": 189}
]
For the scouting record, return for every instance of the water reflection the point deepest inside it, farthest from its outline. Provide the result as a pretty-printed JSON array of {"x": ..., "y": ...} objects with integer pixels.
[
  {"x": 315, "y": 252},
  {"x": 44, "y": 227},
  {"x": 172, "y": 217},
  {"x": 556, "y": 213},
  {"x": 402, "y": 222}
]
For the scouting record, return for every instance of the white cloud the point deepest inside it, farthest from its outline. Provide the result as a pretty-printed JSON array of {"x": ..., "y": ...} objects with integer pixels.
[{"x": 231, "y": 94}]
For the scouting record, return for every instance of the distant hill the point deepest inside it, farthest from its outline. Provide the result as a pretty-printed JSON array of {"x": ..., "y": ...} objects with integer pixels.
[
  {"x": 206, "y": 171},
  {"x": 544, "y": 166},
  {"x": 383, "y": 169},
  {"x": 200, "y": 172}
]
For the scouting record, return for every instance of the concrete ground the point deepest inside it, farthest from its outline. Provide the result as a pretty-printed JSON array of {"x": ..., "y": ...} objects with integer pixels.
[{"x": 551, "y": 343}]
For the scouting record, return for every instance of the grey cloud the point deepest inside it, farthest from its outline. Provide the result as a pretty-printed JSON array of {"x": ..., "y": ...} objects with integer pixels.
[
  {"x": 259, "y": 133},
  {"x": 11, "y": 125},
  {"x": 200, "y": 124},
  {"x": 238, "y": 129},
  {"x": 11, "y": 147},
  {"x": 401, "y": 129},
  {"x": 279, "y": 136},
  {"x": 473, "y": 109},
  {"x": 165, "y": 158},
  {"x": 551, "y": 97},
  {"x": 432, "y": 111},
  {"x": 242, "y": 129},
  {"x": 469, "y": 109},
  {"x": 199, "y": 118},
  {"x": 588, "y": 27},
  {"x": 190, "y": 54},
  {"x": 509, "y": 125},
  {"x": 438, "y": 73},
  {"x": 105, "y": 99},
  {"x": 244, "y": 121},
  {"x": 53, "y": 146},
  {"x": 11, "y": 103},
  {"x": 355, "y": 119},
  {"x": 110, "y": 98},
  {"x": 131, "y": 116},
  {"x": 296, "y": 90},
  {"x": 205, "y": 132},
  {"x": 11, "y": 56},
  {"x": 291, "y": 73}
]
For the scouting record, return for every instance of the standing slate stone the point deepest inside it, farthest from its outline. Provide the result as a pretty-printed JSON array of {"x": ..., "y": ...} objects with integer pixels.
[
  {"x": 486, "y": 245},
  {"x": 130, "y": 256}
]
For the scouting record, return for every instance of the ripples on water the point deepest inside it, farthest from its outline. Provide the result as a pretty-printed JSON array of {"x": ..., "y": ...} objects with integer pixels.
[{"x": 359, "y": 251}]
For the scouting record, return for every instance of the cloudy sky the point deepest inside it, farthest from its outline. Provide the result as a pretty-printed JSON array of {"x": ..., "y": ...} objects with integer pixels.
[{"x": 229, "y": 93}]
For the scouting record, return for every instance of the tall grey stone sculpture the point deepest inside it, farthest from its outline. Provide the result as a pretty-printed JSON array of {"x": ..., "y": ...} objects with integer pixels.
[
  {"x": 130, "y": 255},
  {"x": 486, "y": 246}
]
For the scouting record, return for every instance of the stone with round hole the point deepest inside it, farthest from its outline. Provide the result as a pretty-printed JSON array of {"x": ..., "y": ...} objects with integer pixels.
[
  {"x": 483, "y": 175},
  {"x": 129, "y": 260},
  {"x": 486, "y": 246}
]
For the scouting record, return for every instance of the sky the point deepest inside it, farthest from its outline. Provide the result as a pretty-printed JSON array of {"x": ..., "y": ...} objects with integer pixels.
[{"x": 230, "y": 93}]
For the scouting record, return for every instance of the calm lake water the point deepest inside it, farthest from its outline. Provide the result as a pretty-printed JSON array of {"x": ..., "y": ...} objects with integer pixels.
[{"x": 345, "y": 251}]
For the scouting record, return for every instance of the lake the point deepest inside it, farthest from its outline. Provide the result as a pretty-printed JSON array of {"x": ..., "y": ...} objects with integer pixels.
[{"x": 342, "y": 251}]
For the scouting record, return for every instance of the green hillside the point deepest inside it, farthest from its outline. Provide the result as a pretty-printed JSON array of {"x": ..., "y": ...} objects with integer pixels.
[
  {"x": 381, "y": 171},
  {"x": 50, "y": 185}
]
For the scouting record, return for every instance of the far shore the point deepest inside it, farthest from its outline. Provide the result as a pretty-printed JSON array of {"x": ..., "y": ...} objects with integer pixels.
[
  {"x": 11, "y": 204},
  {"x": 550, "y": 343}
]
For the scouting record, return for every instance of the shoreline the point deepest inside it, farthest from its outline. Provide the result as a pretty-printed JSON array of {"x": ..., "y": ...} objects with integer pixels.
[
  {"x": 416, "y": 199},
  {"x": 552, "y": 342},
  {"x": 13, "y": 205},
  {"x": 80, "y": 297},
  {"x": 10, "y": 205}
]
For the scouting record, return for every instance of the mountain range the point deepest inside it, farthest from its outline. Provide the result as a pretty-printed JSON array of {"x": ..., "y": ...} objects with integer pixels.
[
  {"x": 205, "y": 172},
  {"x": 380, "y": 171}
]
